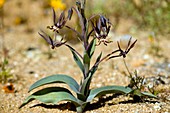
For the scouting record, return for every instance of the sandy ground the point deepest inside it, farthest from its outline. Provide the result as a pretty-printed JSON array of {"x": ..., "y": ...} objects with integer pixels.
[{"x": 29, "y": 62}]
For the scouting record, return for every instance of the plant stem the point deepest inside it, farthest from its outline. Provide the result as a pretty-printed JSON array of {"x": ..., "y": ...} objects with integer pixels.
[
  {"x": 127, "y": 68},
  {"x": 105, "y": 58},
  {"x": 79, "y": 109},
  {"x": 83, "y": 3},
  {"x": 84, "y": 34}
]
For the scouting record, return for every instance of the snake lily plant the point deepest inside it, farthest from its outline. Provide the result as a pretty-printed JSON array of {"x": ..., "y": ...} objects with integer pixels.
[{"x": 94, "y": 31}]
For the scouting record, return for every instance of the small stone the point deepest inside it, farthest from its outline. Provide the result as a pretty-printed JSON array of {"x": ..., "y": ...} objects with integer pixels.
[
  {"x": 146, "y": 56},
  {"x": 15, "y": 63},
  {"x": 98, "y": 85},
  {"x": 36, "y": 75},
  {"x": 157, "y": 106}
]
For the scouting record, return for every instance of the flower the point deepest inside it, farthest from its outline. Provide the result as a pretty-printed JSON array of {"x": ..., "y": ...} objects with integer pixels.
[
  {"x": 124, "y": 46},
  {"x": 2, "y": 3},
  {"x": 124, "y": 40},
  {"x": 53, "y": 43},
  {"x": 58, "y": 24},
  {"x": 151, "y": 37},
  {"x": 57, "y": 5},
  {"x": 101, "y": 29}
]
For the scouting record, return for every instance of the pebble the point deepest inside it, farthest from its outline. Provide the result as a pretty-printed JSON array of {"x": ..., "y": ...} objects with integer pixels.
[
  {"x": 36, "y": 75},
  {"x": 15, "y": 63},
  {"x": 146, "y": 57},
  {"x": 157, "y": 106},
  {"x": 98, "y": 85}
]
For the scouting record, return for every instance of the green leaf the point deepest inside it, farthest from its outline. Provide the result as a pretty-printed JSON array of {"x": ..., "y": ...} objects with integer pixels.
[
  {"x": 94, "y": 68},
  {"x": 86, "y": 61},
  {"x": 91, "y": 47},
  {"x": 107, "y": 90},
  {"x": 87, "y": 81},
  {"x": 86, "y": 58},
  {"x": 51, "y": 95},
  {"x": 77, "y": 60},
  {"x": 59, "y": 78},
  {"x": 99, "y": 57},
  {"x": 85, "y": 85},
  {"x": 136, "y": 92},
  {"x": 149, "y": 94}
]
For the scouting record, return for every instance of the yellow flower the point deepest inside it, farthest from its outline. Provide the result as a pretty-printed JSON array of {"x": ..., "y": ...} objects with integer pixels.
[
  {"x": 57, "y": 4},
  {"x": 151, "y": 37},
  {"x": 2, "y": 3}
]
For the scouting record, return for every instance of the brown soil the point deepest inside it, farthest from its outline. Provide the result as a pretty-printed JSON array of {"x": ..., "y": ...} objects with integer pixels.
[{"x": 29, "y": 62}]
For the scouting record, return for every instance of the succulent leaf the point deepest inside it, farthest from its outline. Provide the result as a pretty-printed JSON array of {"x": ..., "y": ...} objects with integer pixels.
[
  {"x": 85, "y": 85},
  {"x": 94, "y": 68},
  {"x": 51, "y": 95},
  {"x": 86, "y": 59},
  {"x": 87, "y": 81},
  {"x": 107, "y": 90},
  {"x": 77, "y": 60},
  {"x": 91, "y": 47},
  {"x": 149, "y": 95},
  {"x": 59, "y": 78}
]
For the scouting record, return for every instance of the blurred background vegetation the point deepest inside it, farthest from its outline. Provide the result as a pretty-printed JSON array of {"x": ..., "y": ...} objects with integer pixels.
[{"x": 152, "y": 15}]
